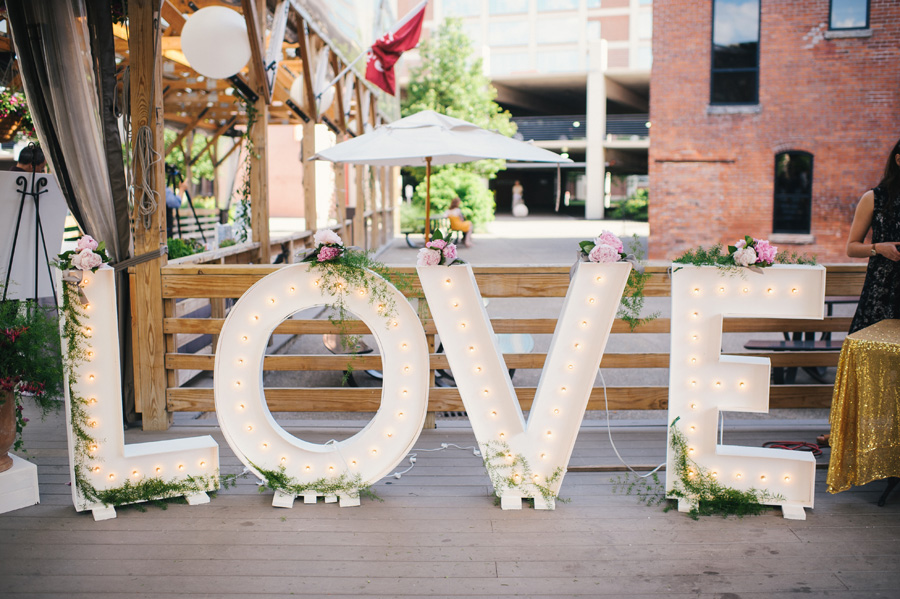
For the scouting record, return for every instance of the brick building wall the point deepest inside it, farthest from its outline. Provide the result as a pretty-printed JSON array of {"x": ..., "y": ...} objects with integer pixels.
[{"x": 712, "y": 175}]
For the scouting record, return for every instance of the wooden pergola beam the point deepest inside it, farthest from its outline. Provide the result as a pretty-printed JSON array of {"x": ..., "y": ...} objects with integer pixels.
[
  {"x": 276, "y": 43},
  {"x": 339, "y": 94},
  {"x": 255, "y": 29},
  {"x": 225, "y": 156},
  {"x": 213, "y": 140},
  {"x": 187, "y": 129},
  {"x": 307, "y": 75}
]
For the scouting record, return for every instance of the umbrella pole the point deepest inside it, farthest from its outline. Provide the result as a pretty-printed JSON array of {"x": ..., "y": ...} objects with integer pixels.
[{"x": 427, "y": 198}]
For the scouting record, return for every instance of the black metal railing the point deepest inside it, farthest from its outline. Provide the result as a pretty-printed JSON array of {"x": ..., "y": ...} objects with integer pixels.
[{"x": 574, "y": 127}]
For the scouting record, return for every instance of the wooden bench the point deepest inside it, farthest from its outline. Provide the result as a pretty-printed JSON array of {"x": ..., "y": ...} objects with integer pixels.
[
  {"x": 780, "y": 376},
  {"x": 441, "y": 223}
]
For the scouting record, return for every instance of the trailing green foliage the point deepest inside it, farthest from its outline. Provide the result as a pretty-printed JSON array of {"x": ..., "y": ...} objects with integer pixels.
[
  {"x": 632, "y": 302},
  {"x": 511, "y": 471},
  {"x": 179, "y": 248},
  {"x": 477, "y": 201},
  {"x": 720, "y": 257},
  {"x": 636, "y": 207},
  {"x": 279, "y": 480},
  {"x": 648, "y": 489},
  {"x": 243, "y": 216}
]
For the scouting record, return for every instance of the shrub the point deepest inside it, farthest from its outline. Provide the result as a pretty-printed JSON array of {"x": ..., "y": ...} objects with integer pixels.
[
  {"x": 634, "y": 208},
  {"x": 179, "y": 248},
  {"x": 450, "y": 182}
]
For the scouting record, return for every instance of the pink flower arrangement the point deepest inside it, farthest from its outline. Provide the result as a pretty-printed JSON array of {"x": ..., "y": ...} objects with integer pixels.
[
  {"x": 89, "y": 254},
  {"x": 438, "y": 252},
  {"x": 327, "y": 237},
  {"x": 328, "y": 252},
  {"x": 604, "y": 248},
  {"x": 750, "y": 251},
  {"x": 328, "y": 247}
]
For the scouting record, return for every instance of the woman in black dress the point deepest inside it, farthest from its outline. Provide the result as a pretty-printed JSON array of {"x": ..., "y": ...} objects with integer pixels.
[{"x": 879, "y": 209}]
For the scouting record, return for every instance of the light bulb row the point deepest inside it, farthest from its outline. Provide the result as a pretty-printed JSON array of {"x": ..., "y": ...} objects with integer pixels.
[
  {"x": 723, "y": 289},
  {"x": 136, "y": 473},
  {"x": 717, "y": 385}
]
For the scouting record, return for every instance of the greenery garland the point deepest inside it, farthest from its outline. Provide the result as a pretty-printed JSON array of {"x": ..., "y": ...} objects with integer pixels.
[
  {"x": 243, "y": 213},
  {"x": 146, "y": 489},
  {"x": 279, "y": 480},
  {"x": 632, "y": 302},
  {"x": 510, "y": 471},
  {"x": 696, "y": 485},
  {"x": 721, "y": 257}
]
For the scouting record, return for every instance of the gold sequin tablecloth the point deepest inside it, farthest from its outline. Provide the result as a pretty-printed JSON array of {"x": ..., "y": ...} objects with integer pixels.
[{"x": 865, "y": 409}]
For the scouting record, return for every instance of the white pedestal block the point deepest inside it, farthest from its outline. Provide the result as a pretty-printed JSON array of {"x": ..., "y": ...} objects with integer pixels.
[{"x": 18, "y": 486}]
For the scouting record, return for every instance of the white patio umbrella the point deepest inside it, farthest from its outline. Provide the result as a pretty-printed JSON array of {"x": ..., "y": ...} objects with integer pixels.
[{"x": 428, "y": 138}]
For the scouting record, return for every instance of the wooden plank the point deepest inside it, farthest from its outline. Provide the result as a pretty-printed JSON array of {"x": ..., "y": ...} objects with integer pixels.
[
  {"x": 212, "y": 140},
  {"x": 441, "y": 399},
  {"x": 255, "y": 16},
  {"x": 303, "y": 44},
  {"x": 146, "y": 110},
  {"x": 184, "y": 132},
  {"x": 259, "y": 179},
  {"x": 308, "y": 146}
]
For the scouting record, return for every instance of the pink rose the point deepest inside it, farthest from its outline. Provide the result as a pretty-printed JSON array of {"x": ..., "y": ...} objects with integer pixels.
[
  {"x": 328, "y": 253},
  {"x": 449, "y": 252},
  {"x": 604, "y": 253},
  {"x": 744, "y": 256},
  {"x": 86, "y": 260},
  {"x": 609, "y": 238},
  {"x": 327, "y": 237},
  {"x": 87, "y": 243},
  {"x": 765, "y": 251},
  {"x": 437, "y": 244},
  {"x": 428, "y": 257}
]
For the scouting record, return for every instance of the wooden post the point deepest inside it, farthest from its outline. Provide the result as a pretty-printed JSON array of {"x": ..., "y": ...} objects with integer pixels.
[
  {"x": 259, "y": 169},
  {"x": 147, "y": 110},
  {"x": 308, "y": 147},
  {"x": 359, "y": 218}
]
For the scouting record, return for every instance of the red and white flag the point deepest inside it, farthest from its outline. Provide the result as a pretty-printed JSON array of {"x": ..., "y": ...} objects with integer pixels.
[{"x": 385, "y": 52}]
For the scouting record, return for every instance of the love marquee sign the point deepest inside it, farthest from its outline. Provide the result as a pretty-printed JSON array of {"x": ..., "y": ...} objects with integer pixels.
[{"x": 524, "y": 458}]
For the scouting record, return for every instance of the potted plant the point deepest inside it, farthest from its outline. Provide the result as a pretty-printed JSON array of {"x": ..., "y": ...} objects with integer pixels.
[{"x": 30, "y": 367}]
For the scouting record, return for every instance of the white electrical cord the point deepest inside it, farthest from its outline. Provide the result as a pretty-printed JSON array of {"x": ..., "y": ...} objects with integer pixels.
[
  {"x": 609, "y": 432},
  {"x": 413, "y": 454}
]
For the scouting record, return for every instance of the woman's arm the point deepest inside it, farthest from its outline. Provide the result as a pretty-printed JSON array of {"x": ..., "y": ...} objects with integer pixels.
[{"x": 862, "y": 221}]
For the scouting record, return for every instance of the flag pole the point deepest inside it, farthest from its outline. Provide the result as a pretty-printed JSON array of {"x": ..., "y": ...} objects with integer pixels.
[{"x": 341, "y": 74}]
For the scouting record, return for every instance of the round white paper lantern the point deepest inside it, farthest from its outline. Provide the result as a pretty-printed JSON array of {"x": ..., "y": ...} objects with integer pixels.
[
  {"x": 215, "y": 42},
  {"x": 297, "y": 92}
]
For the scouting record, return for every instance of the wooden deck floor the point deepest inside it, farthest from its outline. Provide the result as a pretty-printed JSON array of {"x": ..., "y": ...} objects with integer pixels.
[{"x": 438, "y": 534}]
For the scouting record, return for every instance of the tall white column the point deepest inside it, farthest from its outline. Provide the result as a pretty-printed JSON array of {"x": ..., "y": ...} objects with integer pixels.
[{"x": 596, "y": 128}]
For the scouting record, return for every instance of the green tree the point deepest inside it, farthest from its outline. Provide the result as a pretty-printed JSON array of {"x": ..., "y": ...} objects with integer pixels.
[
  {"x": 202, "y": 169},
  {"x": 450, "y": 80}
]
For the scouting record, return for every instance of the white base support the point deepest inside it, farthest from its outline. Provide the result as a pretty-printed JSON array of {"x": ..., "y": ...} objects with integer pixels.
[
  {"x": 103, "y": 513},
  {"x": 331, "y": 499},
  {"x": 348, "y": 501},
  {"x": 197, "y": 498},
  {"x": 18, "y": 486},
  {"x": 510, "y": 503},
  {"x": 283, "y": 500},
  {"x": 544, "y": 504},
  {"x": 684, "y": 505},
  {"x": 310, "y": 498},
  {"x": 793, "y": 512}
]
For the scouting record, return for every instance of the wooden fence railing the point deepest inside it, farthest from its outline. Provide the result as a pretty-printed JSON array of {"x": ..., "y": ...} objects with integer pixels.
[{"x": 218, "y": 282}]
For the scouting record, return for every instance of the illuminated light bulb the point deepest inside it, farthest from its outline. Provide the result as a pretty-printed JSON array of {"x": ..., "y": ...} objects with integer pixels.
[
  {"x": 562, "y": 389},
  {"x": 794, "y": 290},
  {"x": 456, "y": 304},
  {"x": 93, "y": 424},
  {"x": 696, "y": 291},
  {"x": 256, "y": 317},
  {"x": 599, "y": 279},
  {"x": 737, "y": 475},
  {"x": 134, "y": 473},
  {"x": 486, "y": 392},
  {"x": 271, "y": 300},
  {"x": 462, "y": 325},
  {"x": 549, "y": 433},
  {"x": 694, "y": 337},
  {"x": 237, "y": 384},
  {"x": 721, "y": 290},
  {"x": 249, "y": 427},
  {"x": 742, "y": 384},
  {"x": 693, "y": 360},
  {"x": 395, "y": 324},
  {"x": 694, "y": 406},
  {"x": 96, "y": 469},
  {"x": 536, "y": 477},
  {"x": 374, "y": 452},
  {"x": 403, "y": 346},
  {"x": 502, "y": 435},
  {"x": 181, "y": 466},
  {"x": 91, "y": 377},
  {"x": 241, "y": 406},
  {"x": 543, "y": 456},
  {"x": 763, "y": 478},
  {"x": 84, "y": 283},
  {"x": 406, "y": 369},
  {"x": 265, "y": 445},
  {"x": 158, "y": 469},
  {"x": 292, "y": 289},
  {"x": 693, "y": 383},
  {"x": 571, "y": 367},
  {"x": 718, "y": 383},
  {"x": 245, "y": 338},
  {"x": 509, "y": 456},
  {"x": 787, "y": 479},
  {"x": 87, "y": 306},
  {"x": 477, "y": 369},
  {"x": 584, "y": 324},
  {"x": 353, "y": 462},
  {"x": 695, "y": 315},
  {"x": 471, "y": 348},
  {"x": 381, "y": 307},
  {"x": 693, "y": 428},
  {"x": 404, "y": 392},
  {"x": 770, "y": 291},
  {"x": 591, "y": 300},
  {"x": 745, "y": 289},
  {"x": 93, "y": 448},
  {"x": 517, "y": 476},
  {"x": 331, "y": 468},
  {"x": 362, "y": 291},
  {"x": 714, "y": 474},
  {"x": 112, "y": 476},
  {"x": 390, "y": 435},
  {"x": 317, "y": 282},
  {"x": 283, "y": 459},
  {"x": 400, "y": 414},
  {"x": 577, "y": 346},
  {"x": 493, "y": 412},
  {"x": 448, "y": 282},
  {"x": 90, "y": 355},
  {"x": 556, "y": 411},
  {"x": 93, "y": 400},
  {"x": 308, "y": 468},
  {"x": 690, "y": 450},
  {"x": 691, "y": 472},
  {"x": 240, "y": 361},
  {"x": 88, "y": 330}
]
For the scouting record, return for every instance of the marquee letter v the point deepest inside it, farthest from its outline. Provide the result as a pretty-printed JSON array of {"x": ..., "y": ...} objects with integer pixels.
[{"x": 525, "y": 459}]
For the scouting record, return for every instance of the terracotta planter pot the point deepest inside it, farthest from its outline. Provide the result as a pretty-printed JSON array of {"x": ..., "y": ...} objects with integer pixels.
[{"x": 7, "y": 428}]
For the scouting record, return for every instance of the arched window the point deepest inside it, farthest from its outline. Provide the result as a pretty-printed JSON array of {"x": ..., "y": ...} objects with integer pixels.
[{"x": 793, "y": 192}]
